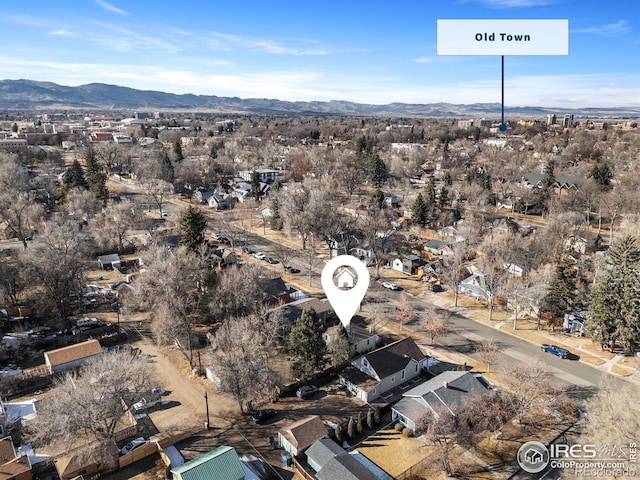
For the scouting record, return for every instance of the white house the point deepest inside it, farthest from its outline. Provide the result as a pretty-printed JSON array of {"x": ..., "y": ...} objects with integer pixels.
[
  {"x": 376, "y": 373},
  {"x": 299, "y": 436}
]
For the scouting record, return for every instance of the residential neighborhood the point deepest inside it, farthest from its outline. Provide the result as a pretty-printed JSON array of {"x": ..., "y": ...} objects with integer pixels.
[{"x": 163, "y": 315}]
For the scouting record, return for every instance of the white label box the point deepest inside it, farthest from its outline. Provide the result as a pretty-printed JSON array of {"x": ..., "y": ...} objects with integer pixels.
[{"x": 503, "y": 37}]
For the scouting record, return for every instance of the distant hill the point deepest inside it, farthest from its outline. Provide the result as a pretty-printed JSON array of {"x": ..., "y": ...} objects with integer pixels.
[{"x": 33, "y": 95}]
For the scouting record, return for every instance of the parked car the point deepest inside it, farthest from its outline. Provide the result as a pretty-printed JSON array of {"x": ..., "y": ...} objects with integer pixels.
[
  {"x": 133, "y": 445},
  {"x": 391, "y": 286},
  {"x": 307, "y": 391},
  {"x": 259, "y": 255},
  {"x": 145, "y": 403},
  {"x": 260, "y": 416},
  {"x": 270, "y": 260},
  {"x": 436, "y": 287},
  {"x": 290, "y": 269},
  {"x": 555, "y": 350},
  {"x": 248, "y": 250}
]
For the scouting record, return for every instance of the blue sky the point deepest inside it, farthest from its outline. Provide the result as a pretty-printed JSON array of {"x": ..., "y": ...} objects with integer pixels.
[{"x": 370, "y": 52}]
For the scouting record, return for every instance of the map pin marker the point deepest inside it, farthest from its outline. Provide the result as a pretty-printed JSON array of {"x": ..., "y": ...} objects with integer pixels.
[{"x": 345, "y": 280}]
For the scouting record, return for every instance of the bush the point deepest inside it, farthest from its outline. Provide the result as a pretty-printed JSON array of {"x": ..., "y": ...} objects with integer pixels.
[
  {"x": 407, "y": 432},
  {"x": 398, "y": 427}
]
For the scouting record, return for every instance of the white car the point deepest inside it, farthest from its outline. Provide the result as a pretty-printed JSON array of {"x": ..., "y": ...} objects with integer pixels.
[
  {"x": 133, "y": 445},
  {"x": 145, "y": 403},
  {"x": 259, "y": 255},
  {"x": 390, "y": 286}
]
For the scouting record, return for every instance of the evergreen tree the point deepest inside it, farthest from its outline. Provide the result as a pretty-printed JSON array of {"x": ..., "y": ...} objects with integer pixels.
[
  {"x": 192, "y": 228},
  {"x": 96, "y": 178},
  {"x": 306, "y": 344},
  {"x": 275, "y": 222},
  {"x": 377, "y": 416},
  {"x": 360, "y": 423},
  {"x": 377, "y": 171},
  {"x": 419, "y": 213},
  {"x": 167, "y": 170},
  {"x": 177, "y": 151},
  {"x": 431, "y": 195},
  {"x": 74, "y": 177},
  {"x": 370, "y": 419},
  {"x": 378, "y": 199},
  {"x": 351, "y": 428},
  {"x": 614, "y": 311},
  {"x": 443, "y": 197},
  {"x": 255, "y": 185},
  {"x": 561, "y": 295},
  {"x": 602, "y": 175}
]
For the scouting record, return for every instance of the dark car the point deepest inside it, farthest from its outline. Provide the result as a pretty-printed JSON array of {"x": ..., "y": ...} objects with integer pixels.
[
  {"x": 270, "y": 260},
  {"x": 248, "y": 250},
  {"x": 307, "y": 391},
  {"x": 555, "y": 350},
  {"x": 260, "y": 416},
  {"x": 290, "y": 269},
  {"x": 436, "y": 287}
]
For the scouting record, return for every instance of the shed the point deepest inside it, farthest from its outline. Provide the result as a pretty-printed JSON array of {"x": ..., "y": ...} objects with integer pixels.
[
  {"x": 109, "y": 262},
  {"x": 72, "y": 356},
  {"x": 219, "y": 464}
]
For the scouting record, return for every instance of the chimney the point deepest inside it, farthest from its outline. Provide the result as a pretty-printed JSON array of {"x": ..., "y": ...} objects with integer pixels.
[{"x": 445, "y": 384}]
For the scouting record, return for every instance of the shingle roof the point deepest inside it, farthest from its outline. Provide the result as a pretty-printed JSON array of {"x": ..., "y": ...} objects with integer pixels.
[
  {"x": 6, "y": 450},
  {"x": 323, "y": 450},
  {"x": 219, "y": 464},
  {"x": 304, "y": 432},
  {"x": 449, "y": 389},
  {"x": 71, "y": 353},
  {"x": 345, "y": 467},
  {"x": 394, "y": 357}
]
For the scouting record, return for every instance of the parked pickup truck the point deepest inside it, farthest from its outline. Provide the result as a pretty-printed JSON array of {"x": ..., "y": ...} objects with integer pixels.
[
  {"x": 555, "y": 350},
  {"x": 146, "y": 402}
]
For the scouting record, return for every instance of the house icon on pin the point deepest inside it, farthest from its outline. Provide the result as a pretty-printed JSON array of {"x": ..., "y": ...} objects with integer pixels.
[
  {"x": 345, "y": 278},
  {"x": 533, "y": 456}
]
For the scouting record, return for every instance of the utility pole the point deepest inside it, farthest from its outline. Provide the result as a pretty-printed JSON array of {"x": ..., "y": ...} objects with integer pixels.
[{"x": 206, "y": 403}]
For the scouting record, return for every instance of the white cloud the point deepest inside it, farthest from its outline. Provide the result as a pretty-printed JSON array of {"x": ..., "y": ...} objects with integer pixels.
[
  {"x": 588, "y": 90},
  {"x": 110, "y": 8},
  {"x": 423, "y": 60},
  {"x": 617, "y": 28},
  {"x": 230, "y": 42}
]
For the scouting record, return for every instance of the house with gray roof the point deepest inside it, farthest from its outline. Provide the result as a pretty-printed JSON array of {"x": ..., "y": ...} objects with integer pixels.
[
  {"x": 446, "y": 392},
  {"x": 219, "y": 464},
  {"x": 375, "y": 373},
  {"x": 331, "y": 462}
]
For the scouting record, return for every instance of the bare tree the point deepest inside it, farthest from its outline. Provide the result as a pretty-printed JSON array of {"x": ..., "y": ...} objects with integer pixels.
[
  {"x": 434, "y": 324},
  {"x": 85, "y": 411},
  {"x": 455, "y": 272},
  {"x": 439, "y": 429},
  {"x": 529, "y": 391},
  {"x": 55, "y": 263},
  {"x": 238, "y": 292},
  {"x": 112, "y": 226},
  {"x": 246, "y": 373},
  {"x": 405, "y": 312},
  {"x": 157, "y": 191},
  {"x": 489, "y": 352},
  {"x": 613, "y": 416}
]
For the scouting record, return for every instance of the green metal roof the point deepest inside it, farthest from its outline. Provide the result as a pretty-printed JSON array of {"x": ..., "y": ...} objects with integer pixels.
[{"x": 219, "y": 464}]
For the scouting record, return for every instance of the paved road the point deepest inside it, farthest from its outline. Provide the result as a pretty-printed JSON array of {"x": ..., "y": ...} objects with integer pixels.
[{"x": 465, "y": 334}]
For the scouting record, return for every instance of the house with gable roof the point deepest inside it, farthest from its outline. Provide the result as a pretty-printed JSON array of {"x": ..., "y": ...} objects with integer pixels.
[
  {"x": 66, "y": 358},
  {"x": 375, "y": 373},
  {"x": 300, "y": 435},
  {"x": 12, "y": 465},
  {"x": 446, "y": 392},
  {"x": 221, "y": 463}
]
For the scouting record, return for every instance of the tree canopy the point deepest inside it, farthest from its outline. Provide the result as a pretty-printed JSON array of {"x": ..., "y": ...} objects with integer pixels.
[{"x": 306, "y": 344}]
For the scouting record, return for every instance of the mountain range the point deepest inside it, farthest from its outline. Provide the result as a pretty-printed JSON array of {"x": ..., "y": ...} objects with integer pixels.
[{"x": 35, "y": 95}]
